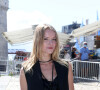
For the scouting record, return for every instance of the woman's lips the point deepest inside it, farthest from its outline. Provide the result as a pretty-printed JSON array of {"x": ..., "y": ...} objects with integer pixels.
[{"x": 50, "y": 47}]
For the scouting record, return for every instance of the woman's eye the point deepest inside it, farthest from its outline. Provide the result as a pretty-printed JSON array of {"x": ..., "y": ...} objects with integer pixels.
[
  {"x": 54, "y": 39},
  {"x": 49, "y": 40},
  {"x": 45, "y": 39}
]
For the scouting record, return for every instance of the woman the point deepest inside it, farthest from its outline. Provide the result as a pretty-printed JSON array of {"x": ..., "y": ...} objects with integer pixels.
[{"x": 44, "y": 70}]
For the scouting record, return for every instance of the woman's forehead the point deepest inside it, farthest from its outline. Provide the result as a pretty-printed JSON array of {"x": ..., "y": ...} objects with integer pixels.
[{"x": 49, "y": 32}]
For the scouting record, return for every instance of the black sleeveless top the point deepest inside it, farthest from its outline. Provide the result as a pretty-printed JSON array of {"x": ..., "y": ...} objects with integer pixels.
[
  {"x": 50, "y": 85},
  {"x": 35, "y": 81}
]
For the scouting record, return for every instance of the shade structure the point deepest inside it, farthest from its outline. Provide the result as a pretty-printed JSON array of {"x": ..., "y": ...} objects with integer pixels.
[
  {"x": 22, "y": 36},
  {"x": 86, "y": 30},
  {"x": 63, "y": 38},
  {"x": 25, "y": 35},
  {"x": 19, "y": 36}
]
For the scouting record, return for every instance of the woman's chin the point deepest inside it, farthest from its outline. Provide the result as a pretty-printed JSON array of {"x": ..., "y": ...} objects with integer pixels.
[{"x": 49, "y": 52}]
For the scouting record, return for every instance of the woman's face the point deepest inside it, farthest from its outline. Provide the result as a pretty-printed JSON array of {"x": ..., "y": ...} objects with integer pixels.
[{"x": 49, "y": 42}]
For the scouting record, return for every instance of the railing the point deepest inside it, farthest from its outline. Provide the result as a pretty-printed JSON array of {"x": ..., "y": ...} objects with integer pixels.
[
  {"x": 86, "y": 70},
  {"x": 10, "y": 67}
]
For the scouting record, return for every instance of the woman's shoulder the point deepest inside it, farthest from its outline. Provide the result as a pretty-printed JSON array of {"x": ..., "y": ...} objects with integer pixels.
[
  {"x": 28, "y": 67},
  {"x": 22, "y": 71}
]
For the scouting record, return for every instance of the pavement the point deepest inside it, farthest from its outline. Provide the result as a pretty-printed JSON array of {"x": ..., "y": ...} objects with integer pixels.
[
  {"x": 12, "y": 83},
  {"x": 9, "y": 83}
]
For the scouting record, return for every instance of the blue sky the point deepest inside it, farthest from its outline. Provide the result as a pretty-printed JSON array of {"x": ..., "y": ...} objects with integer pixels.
[{"x": 24, "y": 13}]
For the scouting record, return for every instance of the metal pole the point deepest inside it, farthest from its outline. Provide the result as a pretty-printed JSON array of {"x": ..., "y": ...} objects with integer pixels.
[{"x": 99, "y": 73}]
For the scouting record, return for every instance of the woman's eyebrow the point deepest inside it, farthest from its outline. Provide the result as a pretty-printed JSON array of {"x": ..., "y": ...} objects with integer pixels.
[
  {"x": 49, "y": 37},
  {"x": 45, "y": 36}
]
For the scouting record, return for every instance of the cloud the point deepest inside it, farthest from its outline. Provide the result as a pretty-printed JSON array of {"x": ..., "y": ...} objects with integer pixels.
[{"x": 17, "y": 20}]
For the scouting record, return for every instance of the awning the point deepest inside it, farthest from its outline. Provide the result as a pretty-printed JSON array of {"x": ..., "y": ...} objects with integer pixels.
[
  {"x": 22, "y": 36},
  {"x": 19, "y": 36},
  {"x": 86, "y": 30}
]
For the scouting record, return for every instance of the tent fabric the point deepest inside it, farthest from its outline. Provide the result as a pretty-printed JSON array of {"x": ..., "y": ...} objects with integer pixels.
[
  {"x": 22, "y": 36},
  {"x": 86, "y": 30},
  {"x": 19, "y": 36}
]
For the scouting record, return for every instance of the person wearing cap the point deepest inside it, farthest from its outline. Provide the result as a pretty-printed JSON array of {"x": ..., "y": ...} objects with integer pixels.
[
  {"x": 84, "y": 56},
  {"x": 84, "y": 52}
]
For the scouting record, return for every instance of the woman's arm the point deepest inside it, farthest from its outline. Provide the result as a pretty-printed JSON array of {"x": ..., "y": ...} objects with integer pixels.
[
  {"x": 23, "y": 83},
  {"x": 70, "y": 78}
]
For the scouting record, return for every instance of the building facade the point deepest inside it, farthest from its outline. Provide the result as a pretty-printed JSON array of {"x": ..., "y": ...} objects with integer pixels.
[
  {"x": 69, "y": 28},
  {"x": 3, "y": 28}
]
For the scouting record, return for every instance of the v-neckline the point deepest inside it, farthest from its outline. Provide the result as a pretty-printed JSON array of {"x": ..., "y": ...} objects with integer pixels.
[{"x": 43, "y": 77}]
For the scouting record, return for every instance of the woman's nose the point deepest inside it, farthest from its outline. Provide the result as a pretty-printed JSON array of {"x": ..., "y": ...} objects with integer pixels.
[{"x": 50, "y": 41}]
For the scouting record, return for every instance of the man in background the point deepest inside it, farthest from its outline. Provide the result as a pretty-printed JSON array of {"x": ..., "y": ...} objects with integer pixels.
[
  {"x": 84, "y": 52},
  {"x": 84, "y": 56}
]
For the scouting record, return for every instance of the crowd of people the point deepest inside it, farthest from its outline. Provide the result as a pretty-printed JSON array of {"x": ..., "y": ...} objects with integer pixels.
[{"x": 83, "y": 54}]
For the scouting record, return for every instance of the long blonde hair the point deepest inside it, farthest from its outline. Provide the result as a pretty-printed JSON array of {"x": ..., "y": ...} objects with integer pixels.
[{"x": 37, "y": 46}]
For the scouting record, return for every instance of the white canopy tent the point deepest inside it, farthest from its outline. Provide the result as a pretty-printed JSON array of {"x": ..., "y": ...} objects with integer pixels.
[
  {"x": 22, "y": 36},
  {"x": 86, "y": 30},
  {"x": 19, "y": 36},
  {"x": 26, "y": 35}
]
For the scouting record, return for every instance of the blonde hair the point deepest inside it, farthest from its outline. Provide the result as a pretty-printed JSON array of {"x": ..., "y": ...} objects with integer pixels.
[{"x": 37, "y": 46}]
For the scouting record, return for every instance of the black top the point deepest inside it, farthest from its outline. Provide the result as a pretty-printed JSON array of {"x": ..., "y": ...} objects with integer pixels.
[
  {"x": 36, "y": 82},
  {"x": 73, "y": 55},
  {"x": 50, "y": 85}
]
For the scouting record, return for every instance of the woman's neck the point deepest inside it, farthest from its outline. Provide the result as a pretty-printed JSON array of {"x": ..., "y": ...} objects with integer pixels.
[{"x": 45, "y": 58}]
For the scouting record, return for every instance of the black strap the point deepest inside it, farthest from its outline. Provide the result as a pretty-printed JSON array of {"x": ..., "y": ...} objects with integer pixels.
[
  {"x": 52, "y": 71},
  {"x": 52, "y": 76},
  {"x": 51, "y": 85}
]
